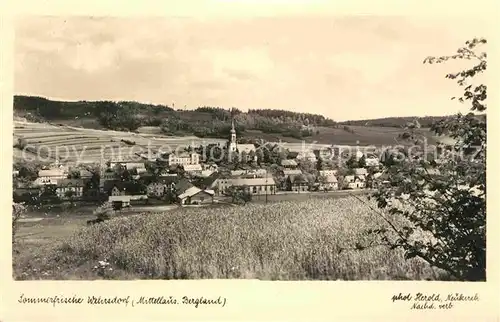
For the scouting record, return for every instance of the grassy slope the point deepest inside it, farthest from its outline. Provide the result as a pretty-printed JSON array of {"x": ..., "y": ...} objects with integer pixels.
[
  {"x": 365, "y": 135},
  {"x": 293, "y": 240}
]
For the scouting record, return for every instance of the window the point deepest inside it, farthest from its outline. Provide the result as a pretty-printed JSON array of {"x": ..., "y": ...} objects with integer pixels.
[{"x": 254, "y": 189}]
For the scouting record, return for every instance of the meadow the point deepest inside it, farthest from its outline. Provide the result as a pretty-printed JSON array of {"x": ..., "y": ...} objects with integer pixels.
[
  {"x": 71, "y": 144},
  {"x": 291, "y": 240},
  {"x": 87, "y": 145}
]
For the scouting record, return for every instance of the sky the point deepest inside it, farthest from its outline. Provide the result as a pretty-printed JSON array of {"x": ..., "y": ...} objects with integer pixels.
[{"x": 343, "y": 67}]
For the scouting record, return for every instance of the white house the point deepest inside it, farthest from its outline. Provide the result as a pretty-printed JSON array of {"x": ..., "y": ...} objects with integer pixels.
[
  {"x": 360, "y": 172},
  {"x": 45, "y": 181},
  {"x": 161, "y": 186},
  {"x": 249, "y": 172},
  {"x": 183, "y": 158},
  {"x": 291, "y": 172},
  {"x": 372, "y": 162},
  {"x": 210, "y": 167},
  {"x": 307, "y": 156},
  {"x": 194, "y": 169},
  {"x": 55, "y": 174},
  {"x": 329, "y": 182},
  {"x": 354, "y": 182},
  {"x": 255, "y": 185},
  {"x": 195, "y": 195},
  {"x": 327, "y": 173},
  {"x": 65, "y": 186}
]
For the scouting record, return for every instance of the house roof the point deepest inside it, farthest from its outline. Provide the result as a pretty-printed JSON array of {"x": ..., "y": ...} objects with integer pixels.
[
  {"x": 349, "y": 178},
  {"x": 248, "y": 171},
  {"x": 163, "y": 180},
  {"x": 269, "y": 181},
  {"x": 51, "y": 173},
  {"x": 288, "y": 162},
  {"x": 191, "y": 191},
  {"x": 192, "y": 167},
  {"x": 182, "y": 154},
  {"x": 72, "y": 182},
  {"x": 209, "y": 166},
  {"x": 292, "y": 172},
  {"x": 360, "y": 171},
  {"x": 327, "y": 172},
  {"x": 183, "y": 185},
  {"x": 138, "y": 165},
  {"x": 109, "y": 184},
  {"x": 209, "y": 181},
  {"x": 246, "y": 147},
  {"x": 119, "y": 198},
  {"x": 85, "y": 173},
  {"x": 331, "y": 179},
  {"x": 165, "y": 173},
  {"x": 298, "y": 179}
]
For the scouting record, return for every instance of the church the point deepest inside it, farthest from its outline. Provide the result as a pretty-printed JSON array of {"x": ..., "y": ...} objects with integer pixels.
[{"x": 234, "y": 147}]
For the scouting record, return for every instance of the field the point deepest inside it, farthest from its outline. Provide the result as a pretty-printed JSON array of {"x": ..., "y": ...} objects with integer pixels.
[
  {"x": 69, "y": 144},
  {"x": 87, "y": 145},
  {"x": 291, "y": 240}
]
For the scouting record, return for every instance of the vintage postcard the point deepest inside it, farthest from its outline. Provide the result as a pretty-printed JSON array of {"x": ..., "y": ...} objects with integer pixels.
[{"x": 247, "y": 160}]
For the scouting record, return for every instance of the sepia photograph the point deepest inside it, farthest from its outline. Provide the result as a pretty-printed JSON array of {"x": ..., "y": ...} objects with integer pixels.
[{"x": 288, "y": 148}]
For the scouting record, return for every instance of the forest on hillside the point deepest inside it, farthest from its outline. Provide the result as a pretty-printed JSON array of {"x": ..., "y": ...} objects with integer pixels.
[
  {"x": 202, "y": 122},
  {"x": 424, "y": 121}
]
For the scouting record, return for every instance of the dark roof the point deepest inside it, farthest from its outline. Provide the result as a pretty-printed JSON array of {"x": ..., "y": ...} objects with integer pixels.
[
  {"x": 167, "y": 180},
  {"x": 85, "y": 173},
  {"x": 297, "y": 179},
  {"x": 109, "y": 184},
  {"x": 183, "y": 185},
  {"x": 208, "y": 181},
  {"x": 72, "y": 182}
]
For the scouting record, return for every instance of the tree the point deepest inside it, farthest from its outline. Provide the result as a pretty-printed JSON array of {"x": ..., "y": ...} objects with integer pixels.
[
  {"x": 28, "y": 170},
  {"x": 69, "y": 195},
  {"x": 362, "y": 162},
  {"x": 319, "y": 164},
  {"x": 352, "y": 163},
  {"x": 437, "y": 210},
  {"x": 104, "y": 211},
  {"x": 18, "y": 209},
  {"x": 239, "y": 194},
  {"x": 74, "y": 174}
]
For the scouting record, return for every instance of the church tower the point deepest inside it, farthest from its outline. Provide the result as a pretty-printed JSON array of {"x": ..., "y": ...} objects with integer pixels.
[{"x": 232, "y": 143}]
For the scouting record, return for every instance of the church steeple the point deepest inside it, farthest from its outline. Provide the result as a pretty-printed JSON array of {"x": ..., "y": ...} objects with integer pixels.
[{"x": 232, "y": 143}]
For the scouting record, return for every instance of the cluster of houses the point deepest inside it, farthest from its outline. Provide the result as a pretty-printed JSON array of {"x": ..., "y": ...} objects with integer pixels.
[{"x": 204, "y": 182}]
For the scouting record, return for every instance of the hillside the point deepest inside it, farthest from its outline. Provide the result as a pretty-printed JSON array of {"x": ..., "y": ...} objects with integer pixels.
[
  {"x": 204, "y": 122},
  {"x": 211, "y": 122},
  {"x": 425, "y": 121}
]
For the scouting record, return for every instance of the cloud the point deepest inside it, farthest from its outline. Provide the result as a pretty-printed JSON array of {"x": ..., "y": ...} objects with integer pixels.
[{"x": 344, "y": 67}]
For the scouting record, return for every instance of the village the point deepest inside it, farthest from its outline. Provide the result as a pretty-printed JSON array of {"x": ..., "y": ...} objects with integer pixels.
[{"x": 191, "y": 177}]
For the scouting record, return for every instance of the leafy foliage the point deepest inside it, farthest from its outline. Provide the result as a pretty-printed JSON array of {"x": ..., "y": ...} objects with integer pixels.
[
  {"x": 443, "y": 201},
  {"x": 104, "y": 211},
  {"x": 18, "y": 209}
]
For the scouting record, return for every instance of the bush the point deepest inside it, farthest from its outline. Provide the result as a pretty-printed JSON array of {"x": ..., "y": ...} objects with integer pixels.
[
  {"x": 128, "y": 142},
  {"x": 104, "y": 211},
  {"x": 18, "y": 209}
]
